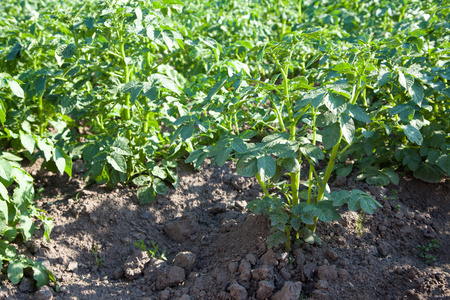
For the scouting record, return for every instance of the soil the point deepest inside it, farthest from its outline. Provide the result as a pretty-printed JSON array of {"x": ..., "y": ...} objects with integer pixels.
[{"x": 216, "y": 249}]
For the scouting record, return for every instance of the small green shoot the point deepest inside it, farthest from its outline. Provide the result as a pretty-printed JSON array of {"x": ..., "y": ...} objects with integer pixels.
[
  {"x": 153, "y": 252},
  {"x": 425, "y": 251},
  {"x": 361, "y": 220},
  {"x": 98, "y": 260}
]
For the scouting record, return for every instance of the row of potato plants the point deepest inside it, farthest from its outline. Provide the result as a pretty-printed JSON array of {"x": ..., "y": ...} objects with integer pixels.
[{"x": 132, "y": 86}]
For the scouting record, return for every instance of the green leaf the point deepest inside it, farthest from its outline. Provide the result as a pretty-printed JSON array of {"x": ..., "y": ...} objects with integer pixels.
[
  {"x": 117, "y": 162},
  {"x": 413, "y": 134},
  {"x": 393, "y": 177},
  {"x": 4, "y": 215},
  {"x": 313, "y": 151},
  {"x": 223, "y": 155},
  {"x": 68, "y": 104},
  {"x": 379, "y": 179},
  {"x": 15, "y": 271},
  {"x": 59, "y": 159},
  {"x": 416, "y": 92},
  {"x": 134, "y": 88},
  {"x": 5, "y": 170},
  {"x": 296, "y": 222},
  {"x": 444, "y": 163},
  {"x": 27, "y": 141},
  {"x": 362, "y": 200},
  {"x": 344, "y": 171},
  {"x": 266, "y": 167},
  {"x": 26, "y": 226},
  {"x": 247, "y": 166},
  {"x": 159, "y": 186},
  {"x": 340, "y": 198},
  {"x": 120, "y": 146},
  {"x": 141, "y": 180},
  {"x": 358, "y": 113},
  {"x": 315, "y": 97},
  {"x": 335, "y": 103},
  {"x": 63, "y": 52},
  {"x": 146, "y": 195},
  {"x": 165, "y": 82},
  {"x": 343, "y": 67},
  {"x": 216, "y": 88},
  {"x": 15, "y": 51},
  {"x": 16, "y": 89},
  {"x": 383, "y": 77},
  {"x": 47, "y": 147},
  {"x": 406, "y": 81},
  {"x": 10, "y": 233},
  {"x": 40, "y": 275},
  {"x": 331, "y": 135},
  {"x": 291, "y": 164},
  {"x": 347, "y": 127},
  {"x": 187, "y": 131},
  {"x": 428, "y": 173},
  {"x": 238, "y": 145},
  {"x": 39, "y": 85},
  {"x": 159, "y": 172},
  {"x": 327, "y": 211}
]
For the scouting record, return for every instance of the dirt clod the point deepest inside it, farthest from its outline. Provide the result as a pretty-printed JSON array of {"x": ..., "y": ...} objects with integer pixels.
[
  {"x": 290, "y": 291},
  {"x": 238, "y": 292},
  {"x": 185, "y": 260}
]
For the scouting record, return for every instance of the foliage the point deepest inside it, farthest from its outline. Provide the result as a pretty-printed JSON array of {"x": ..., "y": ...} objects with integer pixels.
[
  {"x": 153, "y": 252},
  {"x": 294, "y": 91},
  {"x": 426, "y": 249}
]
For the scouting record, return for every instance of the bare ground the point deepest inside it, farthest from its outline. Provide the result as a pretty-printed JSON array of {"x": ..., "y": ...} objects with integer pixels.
[{"x": 216, "y": 249}]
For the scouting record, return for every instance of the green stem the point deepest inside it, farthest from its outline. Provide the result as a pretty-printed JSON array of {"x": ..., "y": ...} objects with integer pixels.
[
  {"x": 262, "y": 184},
  {"x": 331, "y": 162},
  {"x": 288, "y": 238},
  {"x": 126, "y": 79},
  {"x": 311, "y": 165},
  {"x": 41, "y": 116}
]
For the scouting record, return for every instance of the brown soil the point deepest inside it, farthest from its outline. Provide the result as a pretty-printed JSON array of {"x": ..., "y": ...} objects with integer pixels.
[{"x": 216, "y": 249}]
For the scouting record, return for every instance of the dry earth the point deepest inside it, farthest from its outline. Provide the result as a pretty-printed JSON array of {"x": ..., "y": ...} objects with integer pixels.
[{"x": 216, "y": 249}]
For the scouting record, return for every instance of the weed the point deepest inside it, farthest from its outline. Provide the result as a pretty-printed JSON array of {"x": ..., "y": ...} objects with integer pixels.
[
  {"x": 98, "y": 260},
  {"x": 426, "y": 249},
  {"x": 360, "y": 224},
  {"x": 153, "y": 252}
]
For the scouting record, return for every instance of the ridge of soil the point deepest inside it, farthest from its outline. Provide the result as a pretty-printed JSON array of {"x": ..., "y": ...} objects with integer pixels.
[{"x": 216, "y": 249}]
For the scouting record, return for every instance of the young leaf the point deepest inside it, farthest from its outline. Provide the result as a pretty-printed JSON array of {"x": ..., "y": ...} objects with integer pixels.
[
  {"x": 27, "y": 141},
  {"x": 406, "y": 81},
  {"x": 291, "y": 164},
  {"x": 247, "y": 166},
  {"x": 16, "y": 89},
  {"x": 347, "y": 127},
  {"x": 15, "y": 271},
  {"x": 39, "y": 85},
  {"x": 331, "y": 135},
  {"x": 266, "y": 167},
  {"x": 313, "y": 151},
  {"x": 117, "y": 162},
  {"x": 159, "y": 186},
  {"x": 120, "y": 146},
  {"x": 416, "y": 92},
  {"x": 146, "y": 195},
  {"x": 428, "y": 173},
  {"x": 238, "y": 145},
  {"x": 40, "y": 275},
  {"x": 26, "y": 227},
  {"x": 413, "y": 134}
]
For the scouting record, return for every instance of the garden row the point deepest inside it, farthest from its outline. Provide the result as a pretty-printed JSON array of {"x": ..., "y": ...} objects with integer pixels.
[{"x": 132, "y": 87}]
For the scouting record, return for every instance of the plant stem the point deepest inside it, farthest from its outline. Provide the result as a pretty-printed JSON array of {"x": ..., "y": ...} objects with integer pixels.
[
  {"x": 331, "y": 162},
  {"x": 41, "y": 116},
  {"x": 262, "y": 184}
]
